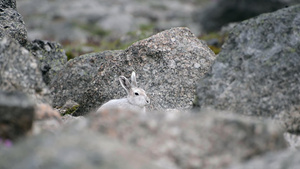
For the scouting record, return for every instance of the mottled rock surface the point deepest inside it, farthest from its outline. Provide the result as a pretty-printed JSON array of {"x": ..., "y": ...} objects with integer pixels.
[
  {"x": 8, "y": 4},
  {"x": 190, "y": 140},
  {"x": 257, "y": 71},
  {"x": 51, "y": 57},
  {"x": 71, "y": 150},
  {"x": 16, "y": 115},
  {"x": 76, "y": 81},
  {"x": 19, "y": 71},
  {"x": 12, "y": 24},
  {"x": 222, "y": 12},
  {"x": 167, "y": 65}
]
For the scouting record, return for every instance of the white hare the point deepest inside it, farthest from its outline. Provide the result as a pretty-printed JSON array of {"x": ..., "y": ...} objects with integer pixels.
[{"x": 136, "y": 99}]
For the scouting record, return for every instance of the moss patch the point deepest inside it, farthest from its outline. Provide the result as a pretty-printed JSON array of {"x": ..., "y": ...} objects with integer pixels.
[{"x": 71, "y": 110}]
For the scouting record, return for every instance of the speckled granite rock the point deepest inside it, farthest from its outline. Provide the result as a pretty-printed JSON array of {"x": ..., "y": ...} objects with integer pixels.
[
  {"x": 208, "y": 140},
  {"x": 12, "y": 24},
  {"x": 16, "y": 115},
  {"x": 76, "y": 81},
  {"x": 8, "y": 4},
  {"x": 19, "y": 71},
  {"x": 167, "y": 65},
  {"x": 51, "y": 57},
  {"x": 257, "y": 72},
  {"x": 71, "y": 150}
]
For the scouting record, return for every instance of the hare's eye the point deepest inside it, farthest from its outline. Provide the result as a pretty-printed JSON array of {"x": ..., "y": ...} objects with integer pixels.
[{"x": 136, "y": 93}]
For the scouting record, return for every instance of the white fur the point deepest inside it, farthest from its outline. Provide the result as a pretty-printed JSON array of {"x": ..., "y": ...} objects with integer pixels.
[{"x": 136, "y": 99}]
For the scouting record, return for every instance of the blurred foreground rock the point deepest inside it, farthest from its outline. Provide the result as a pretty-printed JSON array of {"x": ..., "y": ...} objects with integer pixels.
[
  {"x": 183, "y": 140},
  {"x": 16, "y": 115},
  {"x": 257, "y": 71},
  {"x": 46, "y": 119},
  {"x": 71, "y": 150},
  {"x": 171, "y": 140},
  {"x": 167, "y": 65},
  {"x": 280, "y": 160}
]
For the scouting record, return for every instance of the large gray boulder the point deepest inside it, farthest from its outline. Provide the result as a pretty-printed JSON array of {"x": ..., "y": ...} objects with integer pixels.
[
  {"x": 12, "y": 24},
  {"x": 167, "y": 65},
  {"x": 257, "y": 71},
  {"x": 177, "y": 139},
  {"x": 20, "y": 72},
  {"x": 16, "y": 115}
]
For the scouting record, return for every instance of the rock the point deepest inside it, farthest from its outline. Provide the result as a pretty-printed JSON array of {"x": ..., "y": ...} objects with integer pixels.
[
  {"x": 280, "y": 160},
  {"x": 19, "y": 71},
  {"x": 12, "y": 24},
  {"x": 46, "y": 119},
  {"x": 69, "y": 108},
  {"x": 257, "y": 71},
  {"x": 167, "y": 65},
  {"x": 76, "y": 82},
  {"x": 8, "y": 4},
  {"x": 51, "y": 57},
  {"x": 207, "y": 140},
  {"x": 222, "y": 12},
  {"x": 16, "y": 115},
  {"x": 71, "y": 150}
]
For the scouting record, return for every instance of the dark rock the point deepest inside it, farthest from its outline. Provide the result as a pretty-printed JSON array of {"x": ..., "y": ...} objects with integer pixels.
[
  {"x": 191, "y": 140},
  {"x": 12, "y": 24},
  {"x": 8, "y": 4},
  {"x": 16, "y": 115},
  {"x": 167, "y": 65},
  {"x": 19, "y": 71},
  {"x": 51, "y": 56},
  {"x": 222, "y": 12},
  {"x": 72, "y": 150},
  {"x": 257, "y": 72},
  {"x": 280, "y": 160}
]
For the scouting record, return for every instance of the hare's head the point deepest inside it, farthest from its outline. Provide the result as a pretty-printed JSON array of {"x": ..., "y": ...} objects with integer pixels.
[{"x": 136, "y": 96}]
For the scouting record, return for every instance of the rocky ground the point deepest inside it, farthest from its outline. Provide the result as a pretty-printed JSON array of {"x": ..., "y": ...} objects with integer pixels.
[{"x": 237, "y": 109}]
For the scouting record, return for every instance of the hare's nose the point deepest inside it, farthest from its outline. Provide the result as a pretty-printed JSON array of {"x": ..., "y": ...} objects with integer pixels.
[{"x": 148, "y": 101}]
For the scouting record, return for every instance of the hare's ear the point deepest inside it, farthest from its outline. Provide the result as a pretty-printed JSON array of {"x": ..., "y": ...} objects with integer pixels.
[
  {"x": 133, "y": 80},
  {"x": 125, "y": 83}
]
